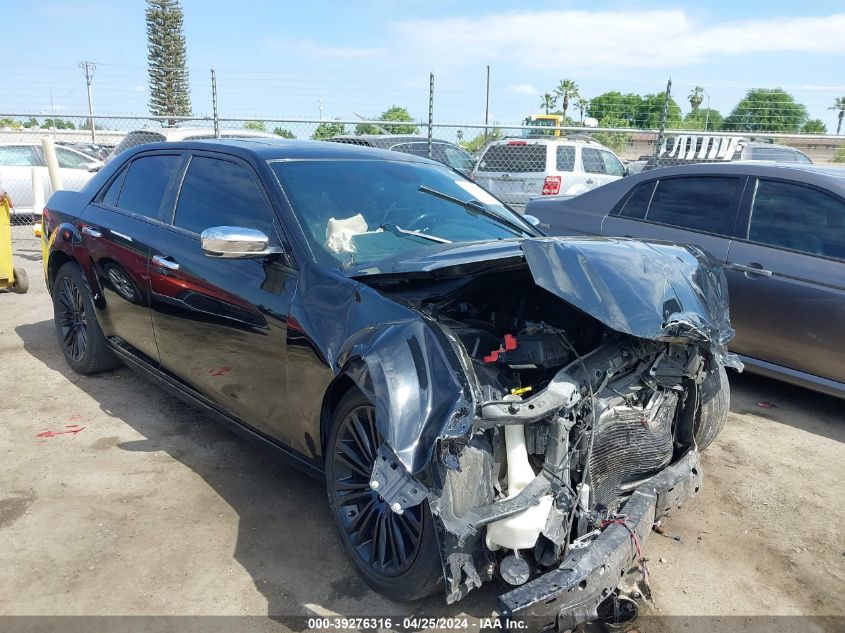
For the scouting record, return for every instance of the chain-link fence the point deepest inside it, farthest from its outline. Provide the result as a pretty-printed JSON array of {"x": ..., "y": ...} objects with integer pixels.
[{"x": 539, "y": 156}]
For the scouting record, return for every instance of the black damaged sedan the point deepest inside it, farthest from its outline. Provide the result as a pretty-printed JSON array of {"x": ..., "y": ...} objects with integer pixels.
[{"x": 483, "y": 401}]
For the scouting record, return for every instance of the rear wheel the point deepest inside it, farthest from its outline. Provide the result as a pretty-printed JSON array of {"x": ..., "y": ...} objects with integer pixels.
[
  {"x": 397, "y": 554},
  {"x": 80, "y": 337},
  {"x": 21, "y": 284}
]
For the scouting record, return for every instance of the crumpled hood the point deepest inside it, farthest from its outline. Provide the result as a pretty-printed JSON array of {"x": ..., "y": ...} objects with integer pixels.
[{"x": 654, "y": 290}]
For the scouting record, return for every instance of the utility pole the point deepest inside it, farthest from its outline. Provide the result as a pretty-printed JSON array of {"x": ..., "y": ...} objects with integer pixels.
[
  {"x": 321, "y": 109},
  {"x": 214, "y": 102},
  {"x": 89, "y": 76},
  {"x": 487, "y": 105},
  {"x": 430, "y": 110}
]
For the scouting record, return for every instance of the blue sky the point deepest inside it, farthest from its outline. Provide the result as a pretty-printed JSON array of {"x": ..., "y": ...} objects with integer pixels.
[{"x": 278, "y": 59}]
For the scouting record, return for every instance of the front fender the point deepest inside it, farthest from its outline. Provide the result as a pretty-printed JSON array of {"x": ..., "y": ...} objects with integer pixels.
[{"x": 410, "y": 372}]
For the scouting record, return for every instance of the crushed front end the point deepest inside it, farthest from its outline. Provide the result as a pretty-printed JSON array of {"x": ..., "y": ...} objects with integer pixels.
[{"x": 593, "y": 386}]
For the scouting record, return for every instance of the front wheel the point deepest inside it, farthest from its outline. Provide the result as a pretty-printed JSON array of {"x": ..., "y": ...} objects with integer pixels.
[
  {"x": 715, "y": 404},
  {"x": 397, "y": 554}
]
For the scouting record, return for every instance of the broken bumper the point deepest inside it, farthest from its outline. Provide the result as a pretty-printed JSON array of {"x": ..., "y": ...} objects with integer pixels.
[{"x": 569, "y": 595}]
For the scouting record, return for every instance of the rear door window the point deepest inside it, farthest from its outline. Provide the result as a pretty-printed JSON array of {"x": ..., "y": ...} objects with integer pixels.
[
  {"x": 701, "y": 204},
  {"x": 637, "y": 204},
  {"x": 591, "y": 159},
  {"x": 146, "y": 182},
  {"x": 773, "y": 153},
  {"x": 565, "y": 157},
  {"x": 221, "y": 193},
  {"x": 457, "y": 158},
  {"x": 799, "y": 218},
  {"x": 514, "y": 158},
  {"x": 612, "y": 165}
]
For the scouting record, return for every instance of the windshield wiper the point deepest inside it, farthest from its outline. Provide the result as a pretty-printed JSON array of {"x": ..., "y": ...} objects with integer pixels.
[
  {"x": 398, "y": 230},
  {"x": 473, "y": 206}
]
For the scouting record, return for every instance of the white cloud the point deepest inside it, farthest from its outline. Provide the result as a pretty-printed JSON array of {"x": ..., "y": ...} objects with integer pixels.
[
  {"x": 522, "y": 89},
  {"x": 588, "y": 40}
]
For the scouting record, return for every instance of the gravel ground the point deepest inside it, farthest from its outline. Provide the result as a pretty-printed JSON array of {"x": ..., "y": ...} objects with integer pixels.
[{"x": 150, "y": 509}]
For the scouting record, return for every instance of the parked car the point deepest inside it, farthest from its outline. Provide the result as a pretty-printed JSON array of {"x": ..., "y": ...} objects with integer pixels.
[
  {"x": 388, "y": 326},
  {"x": 441, "y": 151},
  {"x": 95, "y": 150},
  {"x": 516, "y": 170},
  {"x": 173, "y": 134},
  {"x": 684, "y": 149},
  {"x": 17, "y": 160},
  {"x": 778, "y": 229}
]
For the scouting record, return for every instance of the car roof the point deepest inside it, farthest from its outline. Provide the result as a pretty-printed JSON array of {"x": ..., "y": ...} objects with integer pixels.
[
  {"x": 181, "y": 133},
  {"x": 275, "y": 148},
  {"x": 385, "y": 139}
]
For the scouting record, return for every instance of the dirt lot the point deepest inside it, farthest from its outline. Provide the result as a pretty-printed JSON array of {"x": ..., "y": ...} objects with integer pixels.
[{"x": 150, "y": 509}]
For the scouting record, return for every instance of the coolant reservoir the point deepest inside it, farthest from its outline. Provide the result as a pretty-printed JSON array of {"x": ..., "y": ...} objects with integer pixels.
[{"x": 522, "y": 530}]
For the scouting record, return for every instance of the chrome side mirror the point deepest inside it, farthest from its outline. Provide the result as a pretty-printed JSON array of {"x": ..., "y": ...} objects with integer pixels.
[
  {"x": 234, "y": 241},
  {"x": 531, "y": 219}
]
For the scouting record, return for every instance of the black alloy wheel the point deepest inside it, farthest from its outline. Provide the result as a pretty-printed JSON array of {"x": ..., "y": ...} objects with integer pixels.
[
  {"x": 397, "y": 554},
  {"x": 71, "y": 320}
]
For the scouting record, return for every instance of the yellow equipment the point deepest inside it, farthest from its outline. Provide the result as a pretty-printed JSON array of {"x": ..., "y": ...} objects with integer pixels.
[
  {"x": 14, "y": 278},
  {"x": 545, "y": 120}
]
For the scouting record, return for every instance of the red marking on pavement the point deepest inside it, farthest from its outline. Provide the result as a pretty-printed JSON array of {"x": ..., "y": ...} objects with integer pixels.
[
  {"x": 767, "y": 405},
  {"x": 55, "y": 433},
  {"x": 219, "y": 372},
  {"x": 75, "y": 416}
]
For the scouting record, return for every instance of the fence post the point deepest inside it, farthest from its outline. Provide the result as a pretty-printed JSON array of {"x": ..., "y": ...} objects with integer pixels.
[
  {"x": 214, "y": 103},
  {"x": 663, "y": 118},
  {"x": 430, "y": 110},
  {"x": 487, "y": 104}
]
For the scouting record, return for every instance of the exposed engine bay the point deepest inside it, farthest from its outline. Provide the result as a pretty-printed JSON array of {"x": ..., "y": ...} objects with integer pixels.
[{"x": 572, "y": 418}]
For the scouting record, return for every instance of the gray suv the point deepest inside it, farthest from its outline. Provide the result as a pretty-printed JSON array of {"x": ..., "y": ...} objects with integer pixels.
[{"x": 779, "y": 230}]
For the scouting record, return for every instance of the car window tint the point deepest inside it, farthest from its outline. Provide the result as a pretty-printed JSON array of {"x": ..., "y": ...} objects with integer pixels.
[
  {"x": 514, "y": 157},
  {"x": 220, "y": 193},
  {"x": 637, "y": 204},
  {"x": 23, "y": 156},
  {"x": 591, "y": 159},
  {"x": 773, "y": 153},
  {"x": 566, "y": 158},
  {"x": 798, "y": 217},
  {"x": 701, "y": 204},
  {"x": 145, "y": 184},
  {"x": 612, "y": 165},
  {"x": 112, "y": 192},
  {"x": 72, "y": 160}
]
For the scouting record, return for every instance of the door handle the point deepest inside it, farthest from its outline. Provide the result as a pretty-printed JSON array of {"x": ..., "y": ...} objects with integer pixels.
[
  {"x": 165, "y": 262},
  {"x": 90, "y": 231},
  {"x": 752, "y": 269},
  {"x": 590, "y": 181}
]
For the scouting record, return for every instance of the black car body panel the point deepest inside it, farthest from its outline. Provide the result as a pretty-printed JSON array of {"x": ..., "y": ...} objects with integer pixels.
[{"x": 456, "y": 345}]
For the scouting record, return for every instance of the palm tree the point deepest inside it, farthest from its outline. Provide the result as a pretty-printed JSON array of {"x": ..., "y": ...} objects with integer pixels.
[
  {"x": 566, "y": 89},
  {"x": 548, "y": 102},
  {"x": 839, "y": 104},
  {"x": 696, "y": 97},
  {"x": 583, "y": 106}
]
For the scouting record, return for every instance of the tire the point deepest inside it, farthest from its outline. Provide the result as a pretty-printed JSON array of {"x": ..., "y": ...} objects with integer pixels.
[
  {"x": 372, "y": 535},
  {"x": 21, "y": 284},
  {"x": 715, "y": 404},
  {"x": 80, "y": 338}
]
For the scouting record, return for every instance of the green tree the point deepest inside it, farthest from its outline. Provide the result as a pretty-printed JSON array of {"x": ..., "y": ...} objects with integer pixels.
[
  {"x": 328, "y": 130},
  {"x": 814, "y": 126},
  {"x": 567, "y": 89},
  {"x": 767, "y": 110},
  {"x": 478, "y": 143},
  {"x": 583, "y": 106},
  {"x": 614, "y": 105},
  {"x": 696, "y": 96},
  {"x": 284, "y": 133},
  {"x": 257, "y": 126},
  {"x": 617, "y": 141},
  {"x": 169, "y": 89},
  {"x": 650, "y": 112},
  {"x": 394, "y": 113},
  {"x": 839, "y": 104},
  {"x": 30, "y": 122},
  {"x": 839, "y": 157},
  {"x": 548, "y": 102},
  {"x": 703, "y": 119},
  {"x": 10, "y": 123}
]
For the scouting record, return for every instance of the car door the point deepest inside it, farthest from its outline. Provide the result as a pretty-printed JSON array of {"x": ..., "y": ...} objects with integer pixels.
[
  {"x": 787, "y": 278},
  {"x": 221, "y": 324},
  {"x": 600, "y": 167},
  {"x": 117, "y": 229},
  {"x": 700, "y": 210}
]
